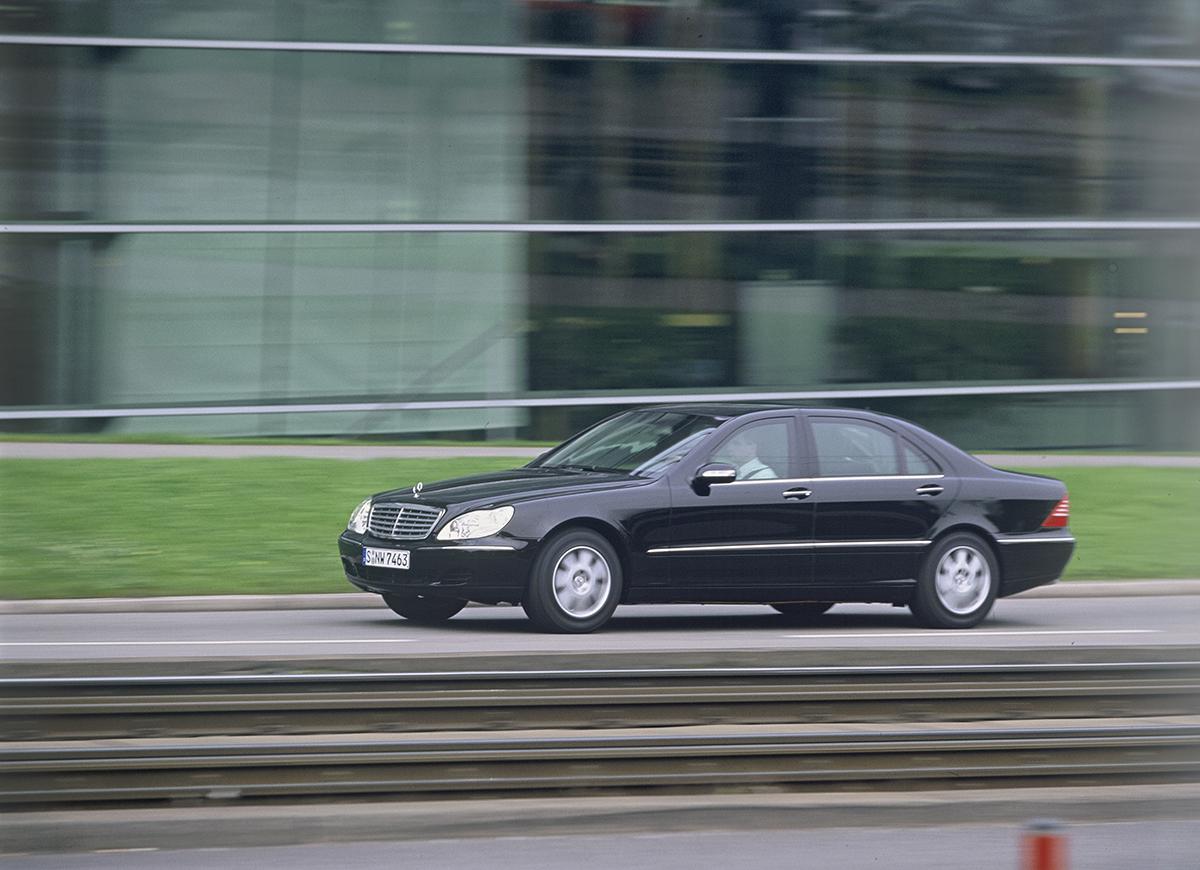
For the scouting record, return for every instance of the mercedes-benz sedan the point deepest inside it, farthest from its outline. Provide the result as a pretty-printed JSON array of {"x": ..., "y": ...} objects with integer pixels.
[{"x": 799, "y": 509}]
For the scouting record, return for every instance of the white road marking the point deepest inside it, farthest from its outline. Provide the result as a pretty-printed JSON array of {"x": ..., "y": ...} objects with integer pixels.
[
  {"x": 203, "y": 642},
  {"x": 843, "y": 635},
  {"x": 974, "y": 633}
]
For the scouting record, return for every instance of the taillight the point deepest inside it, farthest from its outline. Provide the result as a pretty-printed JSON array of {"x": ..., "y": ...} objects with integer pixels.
[{"x": 1060, "y": 516}]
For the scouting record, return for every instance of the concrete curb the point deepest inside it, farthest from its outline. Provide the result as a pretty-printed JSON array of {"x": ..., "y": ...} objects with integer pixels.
[
  {"x": 353, "y": 600},
  {"x": 232, "y": 825}
]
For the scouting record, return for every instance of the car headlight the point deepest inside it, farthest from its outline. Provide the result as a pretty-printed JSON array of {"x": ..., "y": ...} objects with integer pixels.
[
  {"x": 358, "y": 519},
  {"x": 476, "y": 524}
]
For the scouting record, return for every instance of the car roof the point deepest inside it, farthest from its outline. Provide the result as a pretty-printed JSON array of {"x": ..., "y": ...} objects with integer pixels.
[
  {"x": 724, "y": 412},
  {"x": 740, "y": 409}
]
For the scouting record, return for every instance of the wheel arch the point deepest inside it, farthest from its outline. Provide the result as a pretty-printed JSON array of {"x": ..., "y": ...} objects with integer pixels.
[
  {"x": 605, "y": 530},
  {"x": 974, "y": 529}
]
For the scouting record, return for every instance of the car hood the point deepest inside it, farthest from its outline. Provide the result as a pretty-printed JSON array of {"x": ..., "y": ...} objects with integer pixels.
[{"x": 518, "y": 484}]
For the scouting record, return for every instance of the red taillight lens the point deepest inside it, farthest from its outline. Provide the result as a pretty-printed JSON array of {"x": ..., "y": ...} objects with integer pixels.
[{"x": 1060, "y": 516}]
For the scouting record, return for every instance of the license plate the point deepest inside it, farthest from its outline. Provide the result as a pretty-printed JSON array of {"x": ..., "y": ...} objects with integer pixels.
[{"x": 385, "y": 558}]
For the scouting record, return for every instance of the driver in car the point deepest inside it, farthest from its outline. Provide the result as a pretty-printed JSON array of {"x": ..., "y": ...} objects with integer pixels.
[{"x": 744, "y": 452}]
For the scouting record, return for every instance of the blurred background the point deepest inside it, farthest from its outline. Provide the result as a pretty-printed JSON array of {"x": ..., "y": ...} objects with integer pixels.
[{"x": 497, "y": 202}]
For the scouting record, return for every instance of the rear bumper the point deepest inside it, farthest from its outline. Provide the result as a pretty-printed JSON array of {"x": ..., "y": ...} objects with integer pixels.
[
  {"x": 1032, "y": 560},
  {"x": 489, "y": 571}
]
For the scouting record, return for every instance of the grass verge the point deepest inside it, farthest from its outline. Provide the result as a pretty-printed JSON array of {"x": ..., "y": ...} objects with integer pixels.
[{"x": 132, "y": 527}]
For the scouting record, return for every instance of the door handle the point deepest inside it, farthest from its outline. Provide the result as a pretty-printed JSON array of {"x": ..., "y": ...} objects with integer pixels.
[
  {"x": 797, "y": 494},
  {"x": 930, "y": 489}
]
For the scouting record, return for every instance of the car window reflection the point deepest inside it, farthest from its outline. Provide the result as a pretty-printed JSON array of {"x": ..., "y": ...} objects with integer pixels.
[
  {"x": 643, "y": 443},
  {"x": 758, "y": 452}
]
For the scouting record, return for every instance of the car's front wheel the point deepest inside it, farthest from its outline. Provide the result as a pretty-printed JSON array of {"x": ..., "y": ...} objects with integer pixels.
[
  {"x": 575, "y": 583},
  {"x": 958, "y": 583},
  {"x": 424, "y": 609}
]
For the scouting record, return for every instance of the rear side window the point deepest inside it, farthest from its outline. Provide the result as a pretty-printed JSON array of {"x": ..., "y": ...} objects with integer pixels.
[
  {"x": 917, "y": 461},
  {"x": 850, "y": 448}
]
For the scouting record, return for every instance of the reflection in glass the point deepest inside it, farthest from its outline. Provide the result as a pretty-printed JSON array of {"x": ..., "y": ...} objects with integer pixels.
[
  {"x": 189, "y": 135},
  {"x": 1153, "y": 28},
  {"x": 642, "y": 443}
]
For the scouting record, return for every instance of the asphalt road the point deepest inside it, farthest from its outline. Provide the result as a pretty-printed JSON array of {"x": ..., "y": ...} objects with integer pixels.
[
  {"x": 1147, "y": 845},
  {"x": 376, "y": 632}
]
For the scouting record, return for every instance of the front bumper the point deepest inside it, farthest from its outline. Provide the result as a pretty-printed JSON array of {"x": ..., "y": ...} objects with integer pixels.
[{"x": 490, "y": 570}]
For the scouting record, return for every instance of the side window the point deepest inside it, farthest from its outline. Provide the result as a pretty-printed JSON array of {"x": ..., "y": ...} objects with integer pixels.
[
  {"x": 849, "y": 448},
  {"x": 759, "y": 451},
  {"x": 917, "y": 461}
]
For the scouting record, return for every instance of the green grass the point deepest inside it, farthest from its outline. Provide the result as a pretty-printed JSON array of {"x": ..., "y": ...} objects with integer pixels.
[
  {"x": 117, "y": 527},
  {"x": 98, "y": 528},
  {"x": 169, "y": 438},
  {"x": 1133, "y": 522}
]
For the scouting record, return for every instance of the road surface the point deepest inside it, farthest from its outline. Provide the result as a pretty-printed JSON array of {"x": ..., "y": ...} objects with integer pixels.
[
  {"x": 376, "y": 632},
  {"x": 1146, "y": 845}
]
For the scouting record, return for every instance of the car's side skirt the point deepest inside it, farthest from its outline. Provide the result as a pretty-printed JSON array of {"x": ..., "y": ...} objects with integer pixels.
[
  {"x": 877, "y": 592},
  {"x": 779, "y": 545}
]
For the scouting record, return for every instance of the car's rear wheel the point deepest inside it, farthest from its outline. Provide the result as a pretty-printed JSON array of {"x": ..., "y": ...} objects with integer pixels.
[
  {"x": 803, "y": 611},
  {"x": 575, "y": 583},
  {"x": 958, "y": 583},
  {"x": 425, "y": 609}
]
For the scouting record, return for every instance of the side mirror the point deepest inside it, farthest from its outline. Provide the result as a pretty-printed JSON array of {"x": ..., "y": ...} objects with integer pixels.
[{"x": 713, "y": 473}]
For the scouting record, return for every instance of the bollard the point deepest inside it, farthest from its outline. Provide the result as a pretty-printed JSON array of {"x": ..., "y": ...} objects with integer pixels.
[{"x": 1044, "y": 846}]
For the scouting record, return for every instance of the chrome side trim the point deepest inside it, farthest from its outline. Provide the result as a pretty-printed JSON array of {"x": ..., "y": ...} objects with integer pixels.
[
  {"x": 1059, "y": 539},
  {"x": 766, "y": 480},
  {"x": 782, "y": 545},
  {"x": 879, "y": 477}
]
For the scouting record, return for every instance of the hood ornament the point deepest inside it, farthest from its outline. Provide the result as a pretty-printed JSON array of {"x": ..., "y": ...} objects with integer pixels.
[{"x": 417, "y": 490}]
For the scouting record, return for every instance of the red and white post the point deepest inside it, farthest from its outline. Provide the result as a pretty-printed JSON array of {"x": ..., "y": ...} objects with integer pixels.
[{"x": 1044, "y": 846}]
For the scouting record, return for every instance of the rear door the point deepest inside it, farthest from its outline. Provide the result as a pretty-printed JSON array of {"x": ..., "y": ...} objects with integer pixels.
[
  {"x": 877, "y": 496},
  {"x": 750, "y": 539}
]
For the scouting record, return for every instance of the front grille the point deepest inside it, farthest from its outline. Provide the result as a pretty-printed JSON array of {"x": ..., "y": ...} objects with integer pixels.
[{"x": 403, "y": 522}]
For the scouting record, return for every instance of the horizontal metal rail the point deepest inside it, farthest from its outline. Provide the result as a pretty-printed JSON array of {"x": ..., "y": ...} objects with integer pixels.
[
  {"x": 741, "y": 756},
  {"x": 415, "y": 701},
  {"x": 570, "y": 52},
  {"x": 65, "y": 413},
  {"x": 951, "y": 225}
]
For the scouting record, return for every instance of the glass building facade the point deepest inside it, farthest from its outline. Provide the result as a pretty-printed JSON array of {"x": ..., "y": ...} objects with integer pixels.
[{"x": 347, "y": 202}]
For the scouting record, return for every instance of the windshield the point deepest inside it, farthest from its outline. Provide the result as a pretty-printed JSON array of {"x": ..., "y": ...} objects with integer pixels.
[{"x": 644, "y": 443}]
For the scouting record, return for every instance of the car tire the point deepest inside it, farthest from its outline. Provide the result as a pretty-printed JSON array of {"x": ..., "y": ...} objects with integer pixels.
[
  {"x": 803, "y": 611},
  {"x": 957, "y": 584},
  {"x": 423, "y": 609},
  {"x": 575, "y": 584}
]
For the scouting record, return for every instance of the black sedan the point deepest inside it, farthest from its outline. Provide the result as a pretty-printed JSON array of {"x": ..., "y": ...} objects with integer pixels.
[{"x": 796, "y": 508}]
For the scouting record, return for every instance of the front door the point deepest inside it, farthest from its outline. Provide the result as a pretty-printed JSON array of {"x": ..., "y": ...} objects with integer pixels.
[{"x": 748, "y": 540}]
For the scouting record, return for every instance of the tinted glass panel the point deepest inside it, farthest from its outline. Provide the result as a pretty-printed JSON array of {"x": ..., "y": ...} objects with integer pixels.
[
  {"x": 1165, "y": 28},
  {"x": 759, "y": 451},
  {"x": 853, "y": 447},
  {"x": 642, "y": 442},
  {"x": 189, "y": 135},
  {"x": 615, "y": 140},
  {"x": 160, "y": 135},
  {"x": 917, "y": 461},
  {"x": 135, "y": 318}
]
